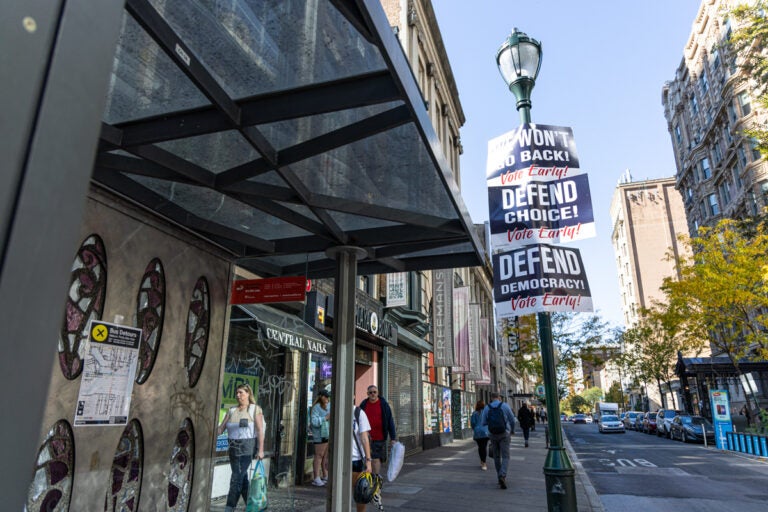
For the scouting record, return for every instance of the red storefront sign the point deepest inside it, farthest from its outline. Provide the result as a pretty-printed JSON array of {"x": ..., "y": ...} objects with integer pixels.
[{"x": 274, "y": 289}]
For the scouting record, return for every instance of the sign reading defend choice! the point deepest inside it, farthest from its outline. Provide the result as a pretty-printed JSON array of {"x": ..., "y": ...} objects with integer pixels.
[{"x": 536, "y": 190}]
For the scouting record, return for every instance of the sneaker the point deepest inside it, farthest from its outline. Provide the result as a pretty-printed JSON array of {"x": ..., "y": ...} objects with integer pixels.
[
  {"x": 317, "y": 482},
  {"x": 526, "y": 444},
  {"x": 502, "y": 482},
  {"x": 484, "y": 467},
  {"x": 325, "y": 479}
]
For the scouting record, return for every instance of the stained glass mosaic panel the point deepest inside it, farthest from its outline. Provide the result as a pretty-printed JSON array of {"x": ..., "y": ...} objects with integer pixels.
[
  {"x": 198, "y": 319},
  {"x": 85, "y": 302},
  {"x": 125, "y": 489},
  {"x": 51, "y": 488},
  {"x": 150, "y": 311},
  {"x": 182, "y": 468}
]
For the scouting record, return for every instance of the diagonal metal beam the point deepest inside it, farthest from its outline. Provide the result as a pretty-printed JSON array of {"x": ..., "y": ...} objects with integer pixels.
[
  {"x": 176, "y": 164},
  {"x": 186, "y": 60},
  {"x": 349, "y": 9},
  {"x": 340, "y": 137},
  {"x": 140, "y": 167},
  {"x": 353, "y": 92},
  {"x": 345, "y": 205}
]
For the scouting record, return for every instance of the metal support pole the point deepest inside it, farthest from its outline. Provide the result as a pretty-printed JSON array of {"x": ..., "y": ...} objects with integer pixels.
[
  {"x": 558, "y": 470},
  {"x": 339, "y": 495}
]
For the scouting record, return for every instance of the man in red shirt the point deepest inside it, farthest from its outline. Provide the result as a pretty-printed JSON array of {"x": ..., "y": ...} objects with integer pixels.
[{"x": 382, "y": 425}]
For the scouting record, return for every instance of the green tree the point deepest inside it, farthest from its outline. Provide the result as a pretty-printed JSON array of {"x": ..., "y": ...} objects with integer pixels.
[
  {"x": 592, "y": 396},
  {"x": 614, "y": 393},
  {"x": 579, "y": 404},
  {"x": 747, "y": 42},
  {"x": 722, "y": 293}
]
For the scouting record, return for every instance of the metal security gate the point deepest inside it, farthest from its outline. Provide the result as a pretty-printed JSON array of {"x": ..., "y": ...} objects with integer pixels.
[{"x": 404, "y": 378}]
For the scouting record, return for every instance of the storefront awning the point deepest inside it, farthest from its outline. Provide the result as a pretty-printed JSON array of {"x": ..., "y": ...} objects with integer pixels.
[
  {"x": 278, "y": 129},
  {"x": 275, "y": 326}
]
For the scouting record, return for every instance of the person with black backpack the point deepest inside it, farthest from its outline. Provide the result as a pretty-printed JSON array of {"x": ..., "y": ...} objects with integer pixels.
[{"x": 500, "y": 420}]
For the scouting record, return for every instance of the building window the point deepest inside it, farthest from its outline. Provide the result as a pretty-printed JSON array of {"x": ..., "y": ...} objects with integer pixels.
[
  {"x": 703, "y": 210},
  {"x": 755, "y": 152},
  {"x": 718, "y": 152},
  {"x": 746, "y": 106},
  {"x": 714, "y": 207},
  {"x": 736, "y": 173},
  {"x": 725, "y": 192},
  {"x": 705, "y": 169},
  {"x": 715, "y": 56},
  {"x": 703, "y": 83},
  {"x": 732, "y": 117},
  {"x": 742, "y": 155},
  {"x": 85, "y": 302},
  {"x": 694, "y": 104},
  {"x": 678, "y": 135}
]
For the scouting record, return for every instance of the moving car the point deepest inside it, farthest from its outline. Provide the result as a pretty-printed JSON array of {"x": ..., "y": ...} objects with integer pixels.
[
  {"x": 664, "y": 419},
  {"x": 610, "y": 423},
  {"x": 689, "y": 428},
  {"x": 578, "y": 418},
  {"x": 649, "y": 423}
]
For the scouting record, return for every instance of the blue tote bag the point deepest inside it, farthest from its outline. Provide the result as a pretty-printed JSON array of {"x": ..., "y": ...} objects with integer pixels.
[{"x": 257, "y": 491}]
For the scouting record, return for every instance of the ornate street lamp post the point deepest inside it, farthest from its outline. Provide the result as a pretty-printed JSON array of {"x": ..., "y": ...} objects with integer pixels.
[{"x": 519, "y": 60}]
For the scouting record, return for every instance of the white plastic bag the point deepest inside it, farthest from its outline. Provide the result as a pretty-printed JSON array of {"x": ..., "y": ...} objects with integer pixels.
[{"x": 396, "y": 456}]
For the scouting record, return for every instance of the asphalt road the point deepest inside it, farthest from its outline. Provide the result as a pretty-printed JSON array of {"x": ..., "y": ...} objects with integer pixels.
[{"x": 635, "y": 471}]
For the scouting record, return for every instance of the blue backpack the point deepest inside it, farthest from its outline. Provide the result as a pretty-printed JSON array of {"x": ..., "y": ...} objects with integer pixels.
[{"x": 497, "y": 424}]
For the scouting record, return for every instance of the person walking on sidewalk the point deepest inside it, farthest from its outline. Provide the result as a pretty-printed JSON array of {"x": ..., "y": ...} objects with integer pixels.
[
  {"x": 480, "y": 433},
  {"x": 526, "y": 420},
  {"x": 500, "y": 420},
  {"x": 382, "y": 425}
]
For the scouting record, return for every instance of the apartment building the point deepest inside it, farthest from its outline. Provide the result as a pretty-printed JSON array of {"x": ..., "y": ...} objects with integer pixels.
[{"x": 707, "y": 106}]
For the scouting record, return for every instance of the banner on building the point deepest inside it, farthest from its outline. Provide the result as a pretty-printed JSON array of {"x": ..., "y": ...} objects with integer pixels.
[
  {"x": 397, "y": 289},
  {"x": 442, "y": 316},
  {"x": 538, "y": 278},
  {"x": 536, "y": 190},
  {"x": 461, "y": 329},
  {"x": 485, "y": 358},
  {"x": 475, "y": 371}
]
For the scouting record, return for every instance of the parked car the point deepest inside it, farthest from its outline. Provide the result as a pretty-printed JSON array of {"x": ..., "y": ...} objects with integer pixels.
[
  {"x": 649, "y": 423},
  {"x": 689, "y": 428},
  {"x": 664, "y": 419},
  {"x": 638, "y": 425},
  {"x": 629, "y": 419},
  {"x": 579, "y": 418},
  {"x": 563, "y": 417},
  {"x": 610, "y": 423}
]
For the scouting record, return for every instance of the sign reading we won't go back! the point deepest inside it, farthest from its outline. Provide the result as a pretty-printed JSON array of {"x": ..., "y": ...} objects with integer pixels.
[{"x": 537, "y": 196}]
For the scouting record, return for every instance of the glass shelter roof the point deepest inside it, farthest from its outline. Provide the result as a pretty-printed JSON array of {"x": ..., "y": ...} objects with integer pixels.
[{"x": 279, "y": 129}]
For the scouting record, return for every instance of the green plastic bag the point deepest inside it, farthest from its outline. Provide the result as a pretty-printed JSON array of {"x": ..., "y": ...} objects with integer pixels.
[{"x": 257, "y": 490}]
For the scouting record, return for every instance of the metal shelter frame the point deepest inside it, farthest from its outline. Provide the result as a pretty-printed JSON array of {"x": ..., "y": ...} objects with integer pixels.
[{"x": 292, "y": 134}]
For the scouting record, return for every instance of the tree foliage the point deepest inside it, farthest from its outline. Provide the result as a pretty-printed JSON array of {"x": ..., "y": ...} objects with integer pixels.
[
  {"x": 615, "y": 394},
  {"x": 722, "y": 292},
  {"x": 748, "y": 41}
]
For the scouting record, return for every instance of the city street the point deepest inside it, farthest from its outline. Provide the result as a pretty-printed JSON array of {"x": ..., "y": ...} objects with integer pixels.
[{"x": 636, "y": 471}]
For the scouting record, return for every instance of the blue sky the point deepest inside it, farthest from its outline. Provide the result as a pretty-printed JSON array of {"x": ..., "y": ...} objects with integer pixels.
[{"x": 604, "y": 65}]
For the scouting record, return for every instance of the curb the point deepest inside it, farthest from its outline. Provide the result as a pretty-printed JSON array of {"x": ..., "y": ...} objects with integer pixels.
[{"x": 594, "y": 500}]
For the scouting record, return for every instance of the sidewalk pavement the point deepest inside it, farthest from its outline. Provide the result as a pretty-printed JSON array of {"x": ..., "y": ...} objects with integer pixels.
[{"x": 449, "y": 479}]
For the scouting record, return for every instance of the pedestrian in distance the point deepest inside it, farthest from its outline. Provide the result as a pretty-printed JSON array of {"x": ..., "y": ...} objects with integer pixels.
[
  {"x": 245, "y": 428},
  {"x": 382, "y": 423},
  {"x": 480, "y": 433},
  {"x": 500, "y": 420},
  {"x": 320, "y": 417},
  {"x": 361, "y": 448},
  {"x": 526, "y": 420}
]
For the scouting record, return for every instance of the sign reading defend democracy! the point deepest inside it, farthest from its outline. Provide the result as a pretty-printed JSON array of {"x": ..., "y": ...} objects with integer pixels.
[
  {"x": 536, "y": 190},
  {"x": 538, "y": 195}
]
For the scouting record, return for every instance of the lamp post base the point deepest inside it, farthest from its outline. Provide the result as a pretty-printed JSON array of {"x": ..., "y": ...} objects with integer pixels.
[{"x": 559, "y": 478}]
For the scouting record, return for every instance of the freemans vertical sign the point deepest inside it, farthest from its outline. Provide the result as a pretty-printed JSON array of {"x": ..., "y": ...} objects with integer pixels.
[{"x": 442, "y": 316}]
